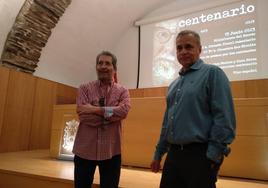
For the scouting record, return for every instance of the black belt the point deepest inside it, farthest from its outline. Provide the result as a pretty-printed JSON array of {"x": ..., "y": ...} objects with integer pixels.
[{"x": 188, "y": 146}]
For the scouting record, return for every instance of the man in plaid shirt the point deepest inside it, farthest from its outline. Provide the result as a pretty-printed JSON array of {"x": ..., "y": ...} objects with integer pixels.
[{"x": 101, "y": 106}]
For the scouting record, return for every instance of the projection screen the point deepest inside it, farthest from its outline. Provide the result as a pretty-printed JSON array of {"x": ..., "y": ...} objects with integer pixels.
[{"x": 234, "y": 37}]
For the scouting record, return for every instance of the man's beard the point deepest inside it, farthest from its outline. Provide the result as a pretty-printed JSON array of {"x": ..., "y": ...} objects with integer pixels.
[{"x": 105, "y": 77}]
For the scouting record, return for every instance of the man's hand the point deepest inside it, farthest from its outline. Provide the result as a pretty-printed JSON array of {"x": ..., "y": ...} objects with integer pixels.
[
  {"x": 89, "y": 109},
  {"x": 216, "y": 166},
  {"x": 155, "y": 166}
]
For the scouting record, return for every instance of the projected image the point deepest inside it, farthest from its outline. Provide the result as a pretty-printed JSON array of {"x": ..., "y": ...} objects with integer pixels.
[
  {"x": 230, "y": 37},
  {"x": 234, "y": 48},
  {"x": 164, "y": 63}
]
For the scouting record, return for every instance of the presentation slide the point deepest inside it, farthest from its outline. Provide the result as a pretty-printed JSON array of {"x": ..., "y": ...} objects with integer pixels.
[{"x": 233, "y": 37}]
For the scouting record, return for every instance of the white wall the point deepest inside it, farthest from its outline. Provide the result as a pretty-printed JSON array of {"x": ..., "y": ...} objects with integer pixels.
[
  {"x": 70, "y": 53},
  {"x": 67, "y": 57},
  {"x": 178, "y": 8},
  {"x": 8, "y": 12},
  {"x": 78, "y": 39},
  {"x": 126, "y": 51}
]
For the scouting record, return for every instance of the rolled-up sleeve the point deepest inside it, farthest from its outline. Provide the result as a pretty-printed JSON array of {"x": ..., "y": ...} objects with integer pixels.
[
  {"x": 119, "y": 112},
  {"x": 82, "y": 99}
]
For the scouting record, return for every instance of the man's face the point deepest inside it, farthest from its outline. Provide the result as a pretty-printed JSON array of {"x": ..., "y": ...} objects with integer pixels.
[
  {"x": 188, "y": 50},
  {"x": 105, "y": 68}
]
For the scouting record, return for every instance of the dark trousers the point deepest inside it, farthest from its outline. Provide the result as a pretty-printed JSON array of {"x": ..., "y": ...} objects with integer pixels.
[
  {"x": 109, "y": 172},
  {"x": 188, "y": 167}
]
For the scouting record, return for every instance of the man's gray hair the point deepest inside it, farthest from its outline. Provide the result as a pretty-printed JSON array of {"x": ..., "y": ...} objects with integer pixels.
[{"x": 190, "y": 32}]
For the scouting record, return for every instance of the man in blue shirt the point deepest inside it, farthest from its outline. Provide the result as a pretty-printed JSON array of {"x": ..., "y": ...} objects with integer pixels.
[{"x": 199, "y": 121}]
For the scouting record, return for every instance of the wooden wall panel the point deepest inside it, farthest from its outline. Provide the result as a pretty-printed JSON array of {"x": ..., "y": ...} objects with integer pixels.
[
  {"x": 66, "y": 94},
  {"x": 4, "y": 76},
  {"x": 155, "y": 92},
  {"x": 26, "y": 107},
  {"x": 45, "y": 98},
  {"x": 240, "y": 89},
  {"x": 257, "y": 88},
  {"x": 136, "y": 93},
  {"x": 18, "y": 112},
  {"x": 148, "y": 92},
  {"x": 252, "y": 117},
  {"x": 248, "y": 158},
  {"x": 141, "y": 130}
]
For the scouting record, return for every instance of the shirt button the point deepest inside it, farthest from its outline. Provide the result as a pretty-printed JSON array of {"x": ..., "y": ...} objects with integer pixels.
[
  {"x": 179, "y": 90},
  {"x": 171, "y": 117}
]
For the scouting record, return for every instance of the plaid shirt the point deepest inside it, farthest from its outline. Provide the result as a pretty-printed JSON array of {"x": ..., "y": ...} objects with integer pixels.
[{"x": 97, "y": 138}]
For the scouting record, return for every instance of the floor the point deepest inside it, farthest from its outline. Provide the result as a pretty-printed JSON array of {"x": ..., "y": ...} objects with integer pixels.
[{"x": 38, "y": 163}]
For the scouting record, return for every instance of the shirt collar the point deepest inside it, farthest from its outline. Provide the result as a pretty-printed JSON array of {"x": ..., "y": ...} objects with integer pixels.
[{"x": 102, "y": 85}]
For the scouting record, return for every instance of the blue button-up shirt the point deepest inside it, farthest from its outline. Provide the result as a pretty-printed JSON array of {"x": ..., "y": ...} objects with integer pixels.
[{"x": 199, "y": 109}]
